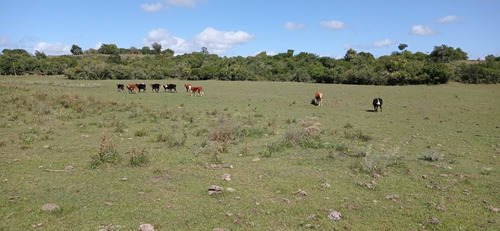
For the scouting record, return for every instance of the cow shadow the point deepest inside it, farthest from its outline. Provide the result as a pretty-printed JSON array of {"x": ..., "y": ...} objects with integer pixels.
[{"x": 371, "y": 110}]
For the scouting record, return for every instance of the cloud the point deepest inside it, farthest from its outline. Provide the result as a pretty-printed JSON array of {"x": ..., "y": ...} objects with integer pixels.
[
  {"x": 4, "y": 42},
  {"x": 294, "y": 26},
  {"x": 333, "y": 24},
  {"x": 384, "y": 43},
  {"x": 422, "y": 30},
  {"x": 219, "y": 42},
  {"x": 167, "y": 41},
  {"x": 152, "y": 7},
  {"x": 52, "y": 49},
  {"x": 447, "y": 19},
  {"x": 183, "y": 3}
]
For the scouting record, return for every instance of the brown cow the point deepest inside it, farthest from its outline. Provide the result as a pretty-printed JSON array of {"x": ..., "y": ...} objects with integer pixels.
[
  {"x": 319, "y": 98},
  {"x": 132, "y": 88},
  {"x": 196, "y": 89},
  {"x": 187, "y": 86}
]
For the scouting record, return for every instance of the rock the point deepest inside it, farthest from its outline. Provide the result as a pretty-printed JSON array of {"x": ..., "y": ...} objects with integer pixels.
[
  {"x": 391, "y": 197},
  {"x": 214, "y": 189},
  {"x": 146, "y": 227},
  {"x": 434, "y": 221},
  {"x": 334, "y": 215},
  {"x": 493, "y": 209},
  {"x": 226, "y": 177},
  {"x": 301, "y": 192},
  {"x": 50, "y": 207},
  {"x": 230, "y": 189}
]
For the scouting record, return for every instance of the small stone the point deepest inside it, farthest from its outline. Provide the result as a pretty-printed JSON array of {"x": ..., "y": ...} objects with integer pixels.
[
  {"x": 50, "y": 207},
  {"x": 434, "y": 221},
  {"x": 230, "y": 189},
  {"x": 124, "y": 179},
  {"x": 214, "y": 189},
  {"x": 220, "y": 229},
  {"x": 108, "y": 204},
  {"x": 424, "y": 177},
  {"x": 226, "y": 177},
  {"x": 301, "y": 192},
  {"x": 334, "y": 215},
  {"x": 146, "y": 227}
]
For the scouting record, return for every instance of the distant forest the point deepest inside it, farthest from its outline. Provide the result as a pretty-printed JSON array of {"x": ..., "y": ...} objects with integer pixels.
[{"x": 401, "y": 67}]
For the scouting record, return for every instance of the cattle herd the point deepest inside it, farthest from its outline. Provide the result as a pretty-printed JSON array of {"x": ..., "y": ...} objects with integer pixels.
[{"x": 155, "y": 87}]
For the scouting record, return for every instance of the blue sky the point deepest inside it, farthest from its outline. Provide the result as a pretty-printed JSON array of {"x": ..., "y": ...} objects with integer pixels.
[{"x": 248, "y": 27}]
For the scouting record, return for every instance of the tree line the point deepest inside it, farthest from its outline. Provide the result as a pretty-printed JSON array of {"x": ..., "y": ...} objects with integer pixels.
[{"x": 401, "y": 67}]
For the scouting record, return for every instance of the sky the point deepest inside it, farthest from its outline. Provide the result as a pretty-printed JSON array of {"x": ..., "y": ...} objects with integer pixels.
[{"x": 249, "y": 27}]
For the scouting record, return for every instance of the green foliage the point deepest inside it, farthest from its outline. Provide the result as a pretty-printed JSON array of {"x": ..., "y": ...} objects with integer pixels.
[
  {"x": 138, "y": 158},
  {"x": 431, "y": 156},
  {"x": 106, "y": 154},
  {"x": 399, "y": 68}
]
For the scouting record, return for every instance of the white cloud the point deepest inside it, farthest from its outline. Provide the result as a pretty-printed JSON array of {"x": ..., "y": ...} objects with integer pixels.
[
  {"x": 219, "y": 42},
  {"x": 4, "y": 41},
  {"x": 384, "y": 43},
  {"x": 447, "y": 19},
  {"x": 333, "y": 24},
  {"x": 167, "y": 41},
  {"x": 153, "y": 7},
  {"x": 422, "y": 30},
  {"x": 52, "y": 49},
  {"x": 98, "y": 45},
  {"x": 183, "y": 3},
  {"x": 294, "y": 26}
]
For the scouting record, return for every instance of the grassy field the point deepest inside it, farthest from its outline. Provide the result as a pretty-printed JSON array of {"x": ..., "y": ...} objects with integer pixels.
[{"x": 114, "y": 160}]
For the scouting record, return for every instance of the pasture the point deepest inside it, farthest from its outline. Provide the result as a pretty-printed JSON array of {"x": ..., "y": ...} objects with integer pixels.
[{"x": 114, "y": 160}]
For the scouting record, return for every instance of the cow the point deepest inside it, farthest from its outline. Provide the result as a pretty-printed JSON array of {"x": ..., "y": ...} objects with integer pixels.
[
  {"x": 141, "y": 86},
  {"x": 188, "y": 87},
  {"x": 170, "y": 87},
  {"x": 196, "y": 89},
  {"x": 155, "y": 87},
  {"x": 318, "y": 96},
  {"x": 120, "y": 87},
  {"x": 377, "y": 103},
  {"x": 131, "y": 88}
]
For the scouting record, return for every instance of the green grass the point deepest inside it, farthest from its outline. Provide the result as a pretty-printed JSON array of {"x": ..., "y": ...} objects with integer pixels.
[{"x": 436, "y": 147}]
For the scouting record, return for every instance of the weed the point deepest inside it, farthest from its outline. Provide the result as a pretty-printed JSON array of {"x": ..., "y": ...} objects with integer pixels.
[
  {"x": 140, "y": 133},
  {"x": 138, "y": 158},
  {"x": 358, "y": 135},
  {"x": 105, "y": 154},
  {"x": 431, "y": 156},
  {"x": 360, "y": 152},
  {"x": 275, "y": 147},
  {"x": 348, "y": 126}
]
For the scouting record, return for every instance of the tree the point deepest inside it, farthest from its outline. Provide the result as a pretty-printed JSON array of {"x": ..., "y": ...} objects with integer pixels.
[
  {"x": 350, "y": 54},
  {"x": 76, "y": 50},
  {"x": 402, "y": 46},
  {"x": 156, "y": 48},
  {"x": 146, "y": 50},
  {"x": 446, "y": 54},
  {"x": 40, "y": 55},
  {"x": 168, "y": 52},
  {"x": 204, "y": 50},
  {"x": 134, "y": 50},
  {"x": 108, "y": 49}
]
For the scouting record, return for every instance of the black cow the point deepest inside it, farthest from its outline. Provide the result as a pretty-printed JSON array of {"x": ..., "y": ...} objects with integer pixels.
[
  {"x": 155, "y": 87},
  {"x": 377, "y": 103},
  {"x": 170, "y": 87},
  {"x": 141, "y": 86},
  {"x": 121, "y": 87}
]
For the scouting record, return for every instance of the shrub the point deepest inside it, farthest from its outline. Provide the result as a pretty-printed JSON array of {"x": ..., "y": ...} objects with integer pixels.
[
  {"x": 431, "y": 156},
  {"x": 138, "y": 158},
  {"x": 105, "y": 154}
]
